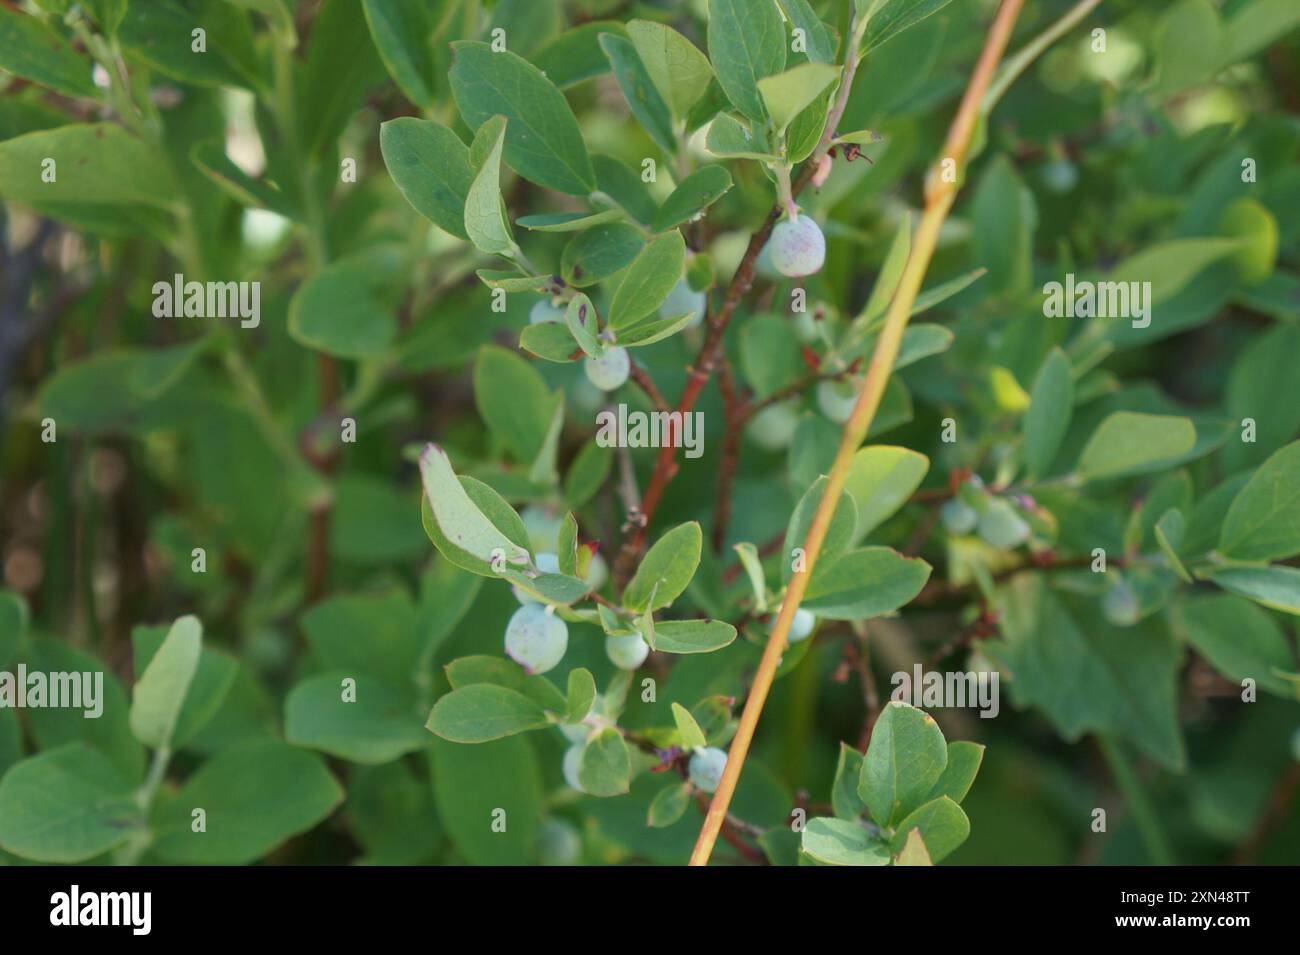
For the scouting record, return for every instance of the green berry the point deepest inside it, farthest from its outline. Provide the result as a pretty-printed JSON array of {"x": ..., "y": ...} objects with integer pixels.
[
  {"x": 627, "y": 652},
  {"x": 958, "y": 516},
  {"x": 773, "y": 428},
  {"x": 610, "y": 370},
  {"x": 837, "y": 398},
  {"x": 1001, "y": 526},
  {"x": 558, "y": 843},
  {"x": 543, "y": 311},
  {"x": 536, "y": 639},
  {"x": 569, "y": 767}
]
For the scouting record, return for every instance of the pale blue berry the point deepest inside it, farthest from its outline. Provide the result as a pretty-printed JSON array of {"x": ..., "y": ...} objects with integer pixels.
[
  {"x": 683, "y": 300},
  {"x": 543, "y": 311},
  {"x": 773, "y": 428},
  {"x": 836, "y": 398},
  {"x": 536, "y": 639},
  {"x": 958, "y": 516},
  {"x": 1001, "y": 526},
  {"x": 627, "y": 652},
  {"x": 706, "y": 768},
  {"x": 610, "y": 370},
  {"x": 798, "y": 247}
]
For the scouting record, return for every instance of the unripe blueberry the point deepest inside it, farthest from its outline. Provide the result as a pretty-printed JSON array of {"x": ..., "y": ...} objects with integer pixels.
[
  {"x": 1120, "y": 604},
  {"x": 547, "y": 564},
  {"x": 627, "y": 652},
  {"x": 798, "y": 247},
  {"x": 558, "y": 843},
  {"x": 763, "y": 264},
  {"x": 543, "y": 526},
  {"x": 683, "y": 299},
  {"x": 597, "y": 572},
  {"x": 610, "y": 370},
  {"x": 1001, "y": 526},
  {"x": 1059, "y": 175},
  {"x": 837, "y": 398},
  {"x": 536, "y": 639},
  {"x": 572, "y": 760},
  {"x": 958, "y": 516},
  {"x": 706, "y": 768},
  {"x": 544, "y": 311},
  {"x": 773, "y": 428},
  {"x": 803, "y": 624}
]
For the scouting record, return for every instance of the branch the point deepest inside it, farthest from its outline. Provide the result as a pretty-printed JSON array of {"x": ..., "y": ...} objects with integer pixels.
[{"x": 939, "y": 197}]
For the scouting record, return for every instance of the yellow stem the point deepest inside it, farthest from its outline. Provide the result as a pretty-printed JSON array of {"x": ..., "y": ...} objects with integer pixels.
[{"x": 940, "y": 190}]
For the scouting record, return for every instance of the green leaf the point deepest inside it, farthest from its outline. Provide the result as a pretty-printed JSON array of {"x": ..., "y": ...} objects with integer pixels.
[
  {"x": 605, "y": 768},
  {"x": 210, "y": 156},
  {"x": 666, "y": 569},
  {"x": 1051, "y": 402},
  {"x": 881, "y": 478},
  {"x": 624, "y": 187},
  {"x": 1089, "y": 676},
  {"x": 580, "y": 318},
  {"x": 1263, "y": 386},
  {"x": 1191, "y": 45},
  {"x": 753, "y": 566},
  {"x": 343, "y": 309},
  {"x": 668, "y": 806},
  {"x": 30, "y": 49},
  {"x": 1275, "y": 587},
  {"x": 964, "y": 760},
  {"x": 1169, "y": 531},
  {"x": 159, "y": 694},
  {"x": 1239, "y": 639},
  {"x": 66, "y": 805},
  {"x": 598, "y": 253},
  {"x": 256, "y": 796},
  {"x": 471, "y": 670},
  {"x": 550, "y": 341},
  {"x": 1128, "y": 443},
  {"x": 844, "y": 791},
  {"x": 642, "y": 97},
  {"x": 864, "y": 583},
  {"x": 568, "y": 221},
  {"x": 465, "y": 531},
  {"x": 913, "y": 852},
  {"x": 692, "y": 737},
  {"x": 841, "y": 842},
  {"x": 904, "y": 760},
  {"x": 402, "y": 32},
  {"x": 747, "y": 42},
  {"x": 581, "y": 696},
  {"x": 392, "y": 815},
  {"x": 891, "y": 17},
  {"x": 728, "y": 138},
  {"x": 13, "y": 624},
  {"x": 430, "y": 166},
  {"x": 648, "y": 331},
  {"x": 543, "y": 143},
  {"x": 96, "y": 165},
  {"x": 649, "y": 279},
  {"x": 1170, "y": 266},
  {"x": 159, "y": 34},
  {"x": 787, "y": 94},
  {"x": 1004, "y": 219},
  {"x": 212, "y": 681},
  {"x": 679, "y": 71},
  {"x": 692, "y": 196},
  {"x": 482, "y": 712},
  {"x": 486, "y": 223},
  {"x": 340, "y": 69},
  {"x": 692, "y": 636},
  {"x": 1263, "y": 522},
  {"x": 575, "y": 55},
  {"x": 770, "y": 357},
  {"x": 839, "y": 534},
  {"x": 942, "y": 825},
  {"x": 514, "y": 401},
  {"x": 587, "y": 473},
  {"x": 476, "y": 786},
  {"x": 375, "y": 723},
  {"x": 817, "y": 36}
]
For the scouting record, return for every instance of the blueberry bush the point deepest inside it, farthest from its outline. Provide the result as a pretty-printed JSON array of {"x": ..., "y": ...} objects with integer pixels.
[{"x": 641, "y": 431}]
